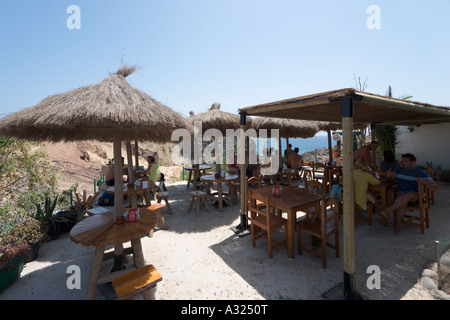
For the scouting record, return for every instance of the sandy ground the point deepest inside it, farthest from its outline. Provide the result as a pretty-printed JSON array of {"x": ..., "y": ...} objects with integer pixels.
[{"x": 202, "y": 258}]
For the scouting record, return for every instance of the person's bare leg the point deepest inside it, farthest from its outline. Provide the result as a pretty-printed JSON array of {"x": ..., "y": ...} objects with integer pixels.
[
  {"x": 400, "y": 201},
  {"x": 398, "y": 215}
]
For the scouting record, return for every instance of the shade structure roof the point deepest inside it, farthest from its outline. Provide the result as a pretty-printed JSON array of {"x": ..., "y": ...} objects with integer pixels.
[
  {"x": 368, "y": 108},
  {"x": 350, "y": 107},
  {"x": 105, "y": 111},
  {"x": 288, "y": 128}
]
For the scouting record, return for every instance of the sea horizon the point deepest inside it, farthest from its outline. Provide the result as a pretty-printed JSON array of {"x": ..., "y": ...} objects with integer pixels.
[{"x": 319, "y": 141}]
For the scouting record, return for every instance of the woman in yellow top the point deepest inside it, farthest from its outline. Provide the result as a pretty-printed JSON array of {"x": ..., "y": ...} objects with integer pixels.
[
  {"x": 153, "y": 172},
  {"x": 362, "y": 178}
]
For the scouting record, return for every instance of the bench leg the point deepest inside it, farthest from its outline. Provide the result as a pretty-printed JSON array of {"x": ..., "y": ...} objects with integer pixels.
[
  {"x": 205, "y": 204},
  {"x": 163, "y": 221},
  {"x": 168, "y": 206},
  {"x": 197, "y": 206}
]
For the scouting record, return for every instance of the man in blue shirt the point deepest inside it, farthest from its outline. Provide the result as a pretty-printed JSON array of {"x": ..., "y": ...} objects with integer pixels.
[{"x": 408, "y": 176}]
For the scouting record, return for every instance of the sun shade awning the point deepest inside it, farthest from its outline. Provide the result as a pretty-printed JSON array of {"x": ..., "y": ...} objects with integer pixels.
[{"x": 368, "y": 108}]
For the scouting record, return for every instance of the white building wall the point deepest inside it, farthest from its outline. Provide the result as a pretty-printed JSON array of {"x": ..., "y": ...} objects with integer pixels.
[{"x": 428, "y": 143}]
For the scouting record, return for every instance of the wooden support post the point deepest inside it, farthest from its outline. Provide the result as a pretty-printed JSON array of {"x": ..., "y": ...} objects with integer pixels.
[
  {"x": 350, "y": 292},
  {"x": 131, "y": 178}
]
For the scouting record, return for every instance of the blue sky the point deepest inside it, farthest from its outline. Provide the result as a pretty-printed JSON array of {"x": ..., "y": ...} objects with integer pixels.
[{"x": 192, "y": 53}]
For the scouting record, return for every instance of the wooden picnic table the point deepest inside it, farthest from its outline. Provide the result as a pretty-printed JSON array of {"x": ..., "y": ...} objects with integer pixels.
[
  {"x": 100, "y": 230},
  {"x": 195, "y": 173},
  {"x": 221, "y": 196},
  {"x": 141, "y": 187}
]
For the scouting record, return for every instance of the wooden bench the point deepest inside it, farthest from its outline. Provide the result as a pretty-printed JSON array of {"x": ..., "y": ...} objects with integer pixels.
[
  {"x": 158, "y": 207},
  {"x": 198, "y": 196},
  {"x": 141, "y": 280},
  {"x": 164, "y": 195}
]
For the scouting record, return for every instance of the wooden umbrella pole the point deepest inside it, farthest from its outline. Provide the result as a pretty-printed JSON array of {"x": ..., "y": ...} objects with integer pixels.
[
  {"x": 131, "y": 178},
  {"x": 118, "y": 200},
  {"x": 118, "y": 185},
  {"x": 136, "y": 155}
]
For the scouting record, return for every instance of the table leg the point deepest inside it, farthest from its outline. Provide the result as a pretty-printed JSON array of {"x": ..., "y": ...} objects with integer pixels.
[
  {"x": 94, "y": 273},
  {"x": 233, "y": 192},
  {"x": 220, "y": 195},
  {"x": 189, "y": 179},
  {"x": 291, "y": 234},
  {"x": 196, "y": 178},
  {"x": 147, "y": 199}
]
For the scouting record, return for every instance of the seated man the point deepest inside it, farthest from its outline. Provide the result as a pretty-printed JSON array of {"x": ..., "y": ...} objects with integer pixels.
[
  {"x": 295, "y": 161},
  {"x": 408, "y": 176},
  {"x": 365, "y": 153}
]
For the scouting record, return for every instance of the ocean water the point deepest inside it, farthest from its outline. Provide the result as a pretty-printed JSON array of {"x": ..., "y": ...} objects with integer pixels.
[{"x": 320, "y": 140}]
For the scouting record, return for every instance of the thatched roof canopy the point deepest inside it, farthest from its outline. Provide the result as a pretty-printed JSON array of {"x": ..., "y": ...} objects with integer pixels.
[
  {"x": 215, "y": 118},
  {"x": 103, "y": 111},
  {"x": 288, "y": 128}
]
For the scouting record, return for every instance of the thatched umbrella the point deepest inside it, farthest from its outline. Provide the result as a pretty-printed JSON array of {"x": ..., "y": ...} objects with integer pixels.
[
  {"x": 288, "y": 128},
  {"x": 215, "y": 118},
  {"x": 111, "y": 111}
]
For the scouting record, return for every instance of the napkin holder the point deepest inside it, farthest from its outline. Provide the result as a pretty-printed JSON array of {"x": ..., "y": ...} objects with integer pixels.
[{"x": 132, "y": 215}]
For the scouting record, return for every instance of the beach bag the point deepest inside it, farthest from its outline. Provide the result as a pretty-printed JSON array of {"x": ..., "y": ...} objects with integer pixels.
[{"x": 107, "y": 199}]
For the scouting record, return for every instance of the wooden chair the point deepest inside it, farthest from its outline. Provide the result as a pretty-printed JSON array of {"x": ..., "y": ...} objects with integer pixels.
[
  {"x": 421, "y": 220},
  {"x": 306, "y": 172},
  {"x": 141, "y": 280},
  {"x": 316, "y": 187},
  {"x": 335, "y": 175},
  {"x": 318, "y": 170},
  {"x": 266, "y": 221},
  {"x": 252, "y": 183},
  {"x": 369, "y": 213},
  {"x": 198, "y": 196},
  {"x": 321, "y": 225},
  {"x": 429, "y": 169}
]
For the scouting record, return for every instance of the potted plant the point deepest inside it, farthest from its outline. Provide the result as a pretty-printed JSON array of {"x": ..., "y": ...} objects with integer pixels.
[
  {"x": 336, "y": 151},
  {"x": 11, "y": 263},
  {"x": 31, "y": 233}
]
